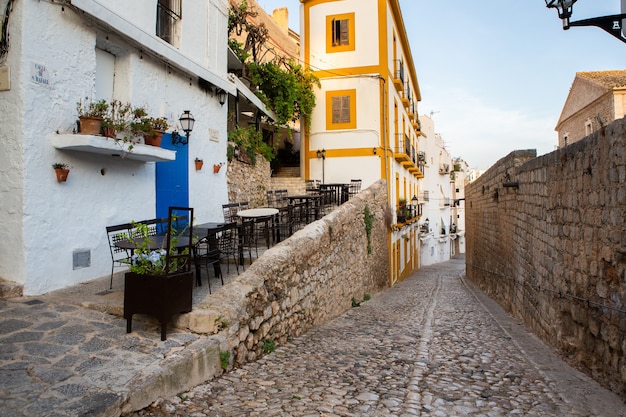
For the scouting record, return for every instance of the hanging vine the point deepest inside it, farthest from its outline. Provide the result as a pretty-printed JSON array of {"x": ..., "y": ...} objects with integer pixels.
[
  {"x": 4, "y": 29},
  {"x": 282, "y": 84}
]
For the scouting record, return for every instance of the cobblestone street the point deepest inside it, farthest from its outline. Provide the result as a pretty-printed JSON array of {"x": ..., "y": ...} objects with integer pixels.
[{"x": 431, "y": 346}]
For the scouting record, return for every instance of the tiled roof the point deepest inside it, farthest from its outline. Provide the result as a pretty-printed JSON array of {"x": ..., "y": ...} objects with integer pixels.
[{"x": 610, "y": 79}]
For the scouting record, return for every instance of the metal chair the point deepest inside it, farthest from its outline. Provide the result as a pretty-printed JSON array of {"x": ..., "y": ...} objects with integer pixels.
[
  {"x": 230, "y": 212},
  {"x": 354, "y": 188},
  {"x": 281, "y": 198},
  {"x": 310, "y": 187},
  {"x": 119, "y": 257},
  {"x": 271, "y": 200},
  {"x": 206, "y": 253},
  {"x": 180, "y": 259},
  {"x": 228, "y": 244}
]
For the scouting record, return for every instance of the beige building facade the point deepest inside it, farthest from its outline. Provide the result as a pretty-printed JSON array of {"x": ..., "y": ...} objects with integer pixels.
[{"x": 595, "y": 100}]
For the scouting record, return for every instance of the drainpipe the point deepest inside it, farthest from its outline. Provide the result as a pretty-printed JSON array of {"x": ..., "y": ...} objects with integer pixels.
[{"x": 393, "y": 270}]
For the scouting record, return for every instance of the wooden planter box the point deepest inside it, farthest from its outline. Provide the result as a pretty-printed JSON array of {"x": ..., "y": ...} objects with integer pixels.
[{"x": 159, "y": 296}]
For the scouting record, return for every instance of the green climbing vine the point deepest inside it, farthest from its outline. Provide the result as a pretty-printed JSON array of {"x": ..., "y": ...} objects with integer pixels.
[{"x": 368, "y": 219}]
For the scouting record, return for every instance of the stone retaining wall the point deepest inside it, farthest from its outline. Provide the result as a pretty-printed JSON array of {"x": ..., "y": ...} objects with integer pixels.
[
  {"x": 546, "y": 238},
  {"x": 301, "y": 282},
  {"x": 247, "y": 182}
]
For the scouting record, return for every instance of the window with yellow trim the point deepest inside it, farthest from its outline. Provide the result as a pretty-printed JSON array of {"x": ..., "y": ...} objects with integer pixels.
[
  {"x": 340, "y": 33},
  {"x": 340, "y": 109}
]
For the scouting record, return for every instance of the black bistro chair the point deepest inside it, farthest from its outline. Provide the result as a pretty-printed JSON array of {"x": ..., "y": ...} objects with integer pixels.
[
  {"x": 119, "y": 257},
  {"x": 206, "y": 255}
]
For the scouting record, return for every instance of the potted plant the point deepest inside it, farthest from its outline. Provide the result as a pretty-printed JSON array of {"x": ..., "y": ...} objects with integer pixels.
[
  {"x": 216, "y": 167},
  {"x": 62, "y": 171},
  {"x": 156, "y": 126},
  {"x": 199, "y": 162},
  {"x": 91, "y": 114},
  {"x": 117, "y": 119},
  {"x": 139, "y": 124},
  {"x": 403, "y": 213},
  {"x": 158, "y": 283}
]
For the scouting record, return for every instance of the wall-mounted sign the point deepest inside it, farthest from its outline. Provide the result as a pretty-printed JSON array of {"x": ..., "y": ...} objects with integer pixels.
[
  {"x": 39, "y": 74},
  {"x": 214, "y": 135},
  {"x": 5, "y": 78}
]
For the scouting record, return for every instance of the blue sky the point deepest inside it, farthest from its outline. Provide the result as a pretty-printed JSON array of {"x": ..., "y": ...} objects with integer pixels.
[{"x": 495, "y": 73}]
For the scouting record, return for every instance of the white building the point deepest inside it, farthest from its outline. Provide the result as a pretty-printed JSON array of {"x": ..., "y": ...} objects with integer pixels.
[
  {"x": 365, "y": 125},
  {"x": 437, "y": 195},
  {"x": 166, "y": 55}
]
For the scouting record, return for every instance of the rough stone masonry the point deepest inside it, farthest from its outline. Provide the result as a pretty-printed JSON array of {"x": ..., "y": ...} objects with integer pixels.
[{"x": 546, "y": 238}]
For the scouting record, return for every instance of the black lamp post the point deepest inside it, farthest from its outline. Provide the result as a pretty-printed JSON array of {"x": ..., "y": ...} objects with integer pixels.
[
  {"x": 322, "y": 154},
  {"x": 414, "y": 204},
  {"x": 186, "y": 123},
  {"x": 610, "y": 24}
]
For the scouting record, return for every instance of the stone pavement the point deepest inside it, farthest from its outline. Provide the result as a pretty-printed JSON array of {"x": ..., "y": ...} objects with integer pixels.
[
  {"x": 431, "y": 346},
  {"x": 67, "y": 353}
]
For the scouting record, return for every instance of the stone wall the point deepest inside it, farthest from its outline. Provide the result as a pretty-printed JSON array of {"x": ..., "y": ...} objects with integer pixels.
[
  {"x": 247, "y": 182},
  {"x": 546, "y": 238},
  {"x": 301, "y": 282}
]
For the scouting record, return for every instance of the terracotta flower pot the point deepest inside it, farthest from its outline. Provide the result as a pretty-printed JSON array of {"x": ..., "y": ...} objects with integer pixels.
[
  {"x": 199, "y": 165},
  {"x": 62, "y": 174},
  {"x": 216, "y": 168},
  {"x": 109, "y": 132},
  {"x": 90, "y": 125},
  {"x": 154, "y": 140}
]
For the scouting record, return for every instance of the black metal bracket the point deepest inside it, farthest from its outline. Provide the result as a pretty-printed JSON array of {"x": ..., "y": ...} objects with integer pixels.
[
  {"x": 178, "y": 139},
  {"x": 610, "y": 24}
]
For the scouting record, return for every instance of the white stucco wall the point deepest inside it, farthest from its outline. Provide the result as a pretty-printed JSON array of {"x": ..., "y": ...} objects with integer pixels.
[
  {"x": 44, "y": 222},
  {"x": 12, "y": 156}
]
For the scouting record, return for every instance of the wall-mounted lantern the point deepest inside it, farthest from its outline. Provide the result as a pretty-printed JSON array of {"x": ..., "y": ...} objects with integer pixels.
[
  {"x": 221, "y": 96},
  {"x": 186, "y": 123}
]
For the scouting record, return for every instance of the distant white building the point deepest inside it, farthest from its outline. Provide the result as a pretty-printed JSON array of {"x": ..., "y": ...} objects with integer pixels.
[
  {"x": 439, "y": 224},
  {"x": 168, "y": 56}
]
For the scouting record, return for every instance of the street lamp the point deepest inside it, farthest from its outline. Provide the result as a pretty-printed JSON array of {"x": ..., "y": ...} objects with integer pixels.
[
  {"x": 564, "y": 9},
  {"x": 414, "y": 205},
  {"x": 610, "y": 24},
  {"x": 186, "y": 123},
  {"x": 322, "y": 154}
]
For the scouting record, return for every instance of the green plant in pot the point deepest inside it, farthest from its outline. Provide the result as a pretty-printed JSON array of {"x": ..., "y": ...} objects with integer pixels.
[
  {"x": 62, "y": 171},
  {"x": 155, "y": 126},
  {"x": 159, "y": 283},
  {"x": 117, "y": 119},
  {"x": 91, "y": 114}
]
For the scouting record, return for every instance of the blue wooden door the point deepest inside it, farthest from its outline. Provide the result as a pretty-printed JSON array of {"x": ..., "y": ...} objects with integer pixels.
[{"x": 172, "y": 179}]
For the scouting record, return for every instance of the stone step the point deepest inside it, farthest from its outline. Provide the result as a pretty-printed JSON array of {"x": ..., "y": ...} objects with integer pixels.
[
  {"x": 286, "y": 172},
  {"x": 293, "y": 185}
]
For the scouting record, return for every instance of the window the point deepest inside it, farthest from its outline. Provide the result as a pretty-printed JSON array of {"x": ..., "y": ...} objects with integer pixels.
[
  {"x": 169, "y": 12},
  {"x": 340, "y": 33},
  {"x": 588, "y": 128},
  {"x": 341, "y": 109}
]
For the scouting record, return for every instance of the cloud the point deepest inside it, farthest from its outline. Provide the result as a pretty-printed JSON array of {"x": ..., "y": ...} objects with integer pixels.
[{"x": 481, "y": 133}]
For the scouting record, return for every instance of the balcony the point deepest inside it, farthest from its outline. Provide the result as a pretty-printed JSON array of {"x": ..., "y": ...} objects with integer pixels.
[
  {"x": 398, "y": 74},
  {"x": 408, "y": 214},
  {"x": 411, "y": 111},
  {"x": 444, "y": 169},
  {"x": 402, "y": 150},
  {"x": 406, "y": 96}
]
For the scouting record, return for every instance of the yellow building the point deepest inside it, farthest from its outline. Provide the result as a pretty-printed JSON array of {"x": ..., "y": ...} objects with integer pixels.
[{"x": 365, "y": 123}]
